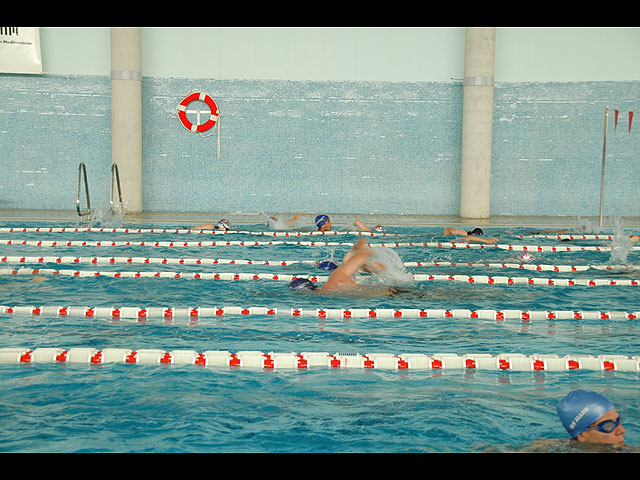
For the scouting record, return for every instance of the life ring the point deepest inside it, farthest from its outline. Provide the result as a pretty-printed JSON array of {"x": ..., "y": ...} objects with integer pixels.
[{"x": 182, "y": 112}]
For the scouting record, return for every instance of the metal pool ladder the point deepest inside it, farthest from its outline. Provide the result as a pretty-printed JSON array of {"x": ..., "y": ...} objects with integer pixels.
[
  {"x": 115, "y": 182},
  {"x": 82, "y": 175}
]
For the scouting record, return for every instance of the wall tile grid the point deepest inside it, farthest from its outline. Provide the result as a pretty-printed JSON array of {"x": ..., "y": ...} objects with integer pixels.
[
  {"x": 337, "y": 147},
  {"x": 548, "y": 145}
]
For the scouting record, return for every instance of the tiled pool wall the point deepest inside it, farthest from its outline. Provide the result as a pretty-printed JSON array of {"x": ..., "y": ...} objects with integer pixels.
[{"x": 335, "y": 147}]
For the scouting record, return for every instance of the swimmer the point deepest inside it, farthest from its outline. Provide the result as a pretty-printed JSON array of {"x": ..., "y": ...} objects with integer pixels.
[
  {"x": 472, "y": 236},
  {"x": 341, "y": 278},
  {"x": 590, "y": 417},
  {"x": 221, "y": 225},
  {"x": 323, "y": 223}
]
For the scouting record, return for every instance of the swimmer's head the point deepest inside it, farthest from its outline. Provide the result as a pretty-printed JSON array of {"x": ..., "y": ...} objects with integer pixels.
[
  {"x": 302, "y": 284},
  {"x": 475, "y": 231},
  {"x": 224, "y": 225},
  {"x": 327, "y": 265},
  {"x": 526, "y": 257},
  {"x": 379, "y": 228},
  {"x": 581, "y": 408},
  {"x": 321, "y": 220}
]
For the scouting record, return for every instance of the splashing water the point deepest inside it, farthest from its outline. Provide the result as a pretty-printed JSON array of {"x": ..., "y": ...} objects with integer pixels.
[
  {"x": 274, "y": 223},
  {"x": 395, "y": 274},
  {"x": 620, "y": 246},
  {"x": 108, "y": 217}
]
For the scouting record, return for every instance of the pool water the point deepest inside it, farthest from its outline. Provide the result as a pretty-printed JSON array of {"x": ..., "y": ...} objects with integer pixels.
[{"x": 122, "y": 407}]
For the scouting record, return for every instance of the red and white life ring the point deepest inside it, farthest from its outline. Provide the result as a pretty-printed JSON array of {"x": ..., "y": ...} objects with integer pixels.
[{"x": 182, "y": 112}]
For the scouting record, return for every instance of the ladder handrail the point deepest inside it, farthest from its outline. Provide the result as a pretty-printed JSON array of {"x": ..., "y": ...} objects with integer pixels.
[
  {"x": 82, "y": 173},
  {"x": 115, "y": 175}
]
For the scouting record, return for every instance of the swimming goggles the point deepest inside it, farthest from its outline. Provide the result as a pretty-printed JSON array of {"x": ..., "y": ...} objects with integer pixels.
[{"x": 607, "y": 426}]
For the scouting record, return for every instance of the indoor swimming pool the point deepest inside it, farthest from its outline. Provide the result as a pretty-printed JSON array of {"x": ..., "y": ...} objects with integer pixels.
[{"x": 158, "y": 338}]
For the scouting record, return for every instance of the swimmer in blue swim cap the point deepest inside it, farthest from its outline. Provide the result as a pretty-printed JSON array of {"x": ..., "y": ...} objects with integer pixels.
[
  {"x": 323, "y": 222},
  {"x": 591, "y": 417}
]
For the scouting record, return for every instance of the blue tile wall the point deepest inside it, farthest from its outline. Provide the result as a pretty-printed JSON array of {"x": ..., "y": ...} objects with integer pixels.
[
  {"x": 548, "y": 146},
  {"x": 48, "y": 125},
  {"x": 338, "y": 147},
  {"x": 312, "y": 146}
]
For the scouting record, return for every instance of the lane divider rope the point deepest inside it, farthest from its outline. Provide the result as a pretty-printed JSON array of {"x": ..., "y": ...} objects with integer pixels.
[
  {"x": 306, "y": 360},
  {"x": 477, "y": 279},
  {"x": 271, "y": 233},
  {"x": 142, "y": 313},
  {"x": 18, "y": 259},
  {"x": 149, "y": 260},
  {"x": 171, "y": 244},
  {"x": 195, "y": 231},
  {"x": 566, "y": 236}
]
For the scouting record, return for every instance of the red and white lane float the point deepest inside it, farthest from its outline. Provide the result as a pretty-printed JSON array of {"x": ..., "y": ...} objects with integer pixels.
[
  {"x": 179, "y": 243},
  {"x": 144, "y": 313},
  {"x": 475, "y": 279},
  {"x": 306, "y": 360}
]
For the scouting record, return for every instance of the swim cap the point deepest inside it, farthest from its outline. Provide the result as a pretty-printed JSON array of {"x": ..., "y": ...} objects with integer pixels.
[
  {"x": 526, "y": 257},
  {"x": 321, "y": 220},
  {"x": 379, "y": 228},
  {"x": 327, "y": 265},
  {"x": 476, "y": 231},
  {"x": 224, "y": 224},
  {"x": 302, "y": 283},
  {"x": 581, "y": 408}
]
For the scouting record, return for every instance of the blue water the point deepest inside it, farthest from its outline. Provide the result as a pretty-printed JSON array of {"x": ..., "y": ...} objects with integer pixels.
[{"x": 189, "y": 408}]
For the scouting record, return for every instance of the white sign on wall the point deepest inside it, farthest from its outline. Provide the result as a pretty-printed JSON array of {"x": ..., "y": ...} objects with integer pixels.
[{"x": 20, "y": 50}]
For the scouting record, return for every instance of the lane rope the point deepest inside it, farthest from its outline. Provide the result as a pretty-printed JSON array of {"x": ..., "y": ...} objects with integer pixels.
[
  {"x": 172, "y": 244},
  {"x": 566, "y": 236},
  {"x": 194, "y": 231},
  {"x": 476, "y": 279},
  {"x": 142, "y": 313},
  {"x": 23, "y": 259},
  {"x": 272, "y": 233},
  {"x": 305, "y": 360}
]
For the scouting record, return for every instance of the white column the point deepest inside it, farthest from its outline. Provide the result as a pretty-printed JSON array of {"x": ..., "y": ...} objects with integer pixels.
[
  {"x": 477, "y": 123},
  {"x": 126, "y": 113}
]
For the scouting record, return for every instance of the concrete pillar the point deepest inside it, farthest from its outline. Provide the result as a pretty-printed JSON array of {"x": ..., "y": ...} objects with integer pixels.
[
  {"x": 126, "y": 113},
  {"x": 477, "y": 120}
]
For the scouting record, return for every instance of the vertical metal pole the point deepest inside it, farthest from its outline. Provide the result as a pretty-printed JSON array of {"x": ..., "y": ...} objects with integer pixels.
[{"x": 604, "y": 153}]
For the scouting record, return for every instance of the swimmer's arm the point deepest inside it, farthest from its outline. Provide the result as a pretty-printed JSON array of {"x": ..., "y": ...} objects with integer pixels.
[
  {"x": 361, "y": 226},
  {"x": 204, "y": 226},
  {"x": 354, "y": 263},
  {"x": 295, "y": 218},
  {"x": 473, "y": 238}
]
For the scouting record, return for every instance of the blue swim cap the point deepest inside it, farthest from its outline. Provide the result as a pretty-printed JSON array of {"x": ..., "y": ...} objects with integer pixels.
[
  {"x": 581, "y": 408},
  {"x": 327, "y": 265},
  {"x": 321, "y": 220},
  {"x": 302, "y": 283}
]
